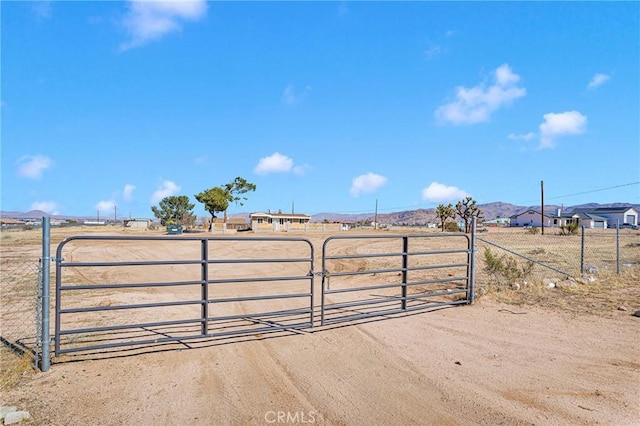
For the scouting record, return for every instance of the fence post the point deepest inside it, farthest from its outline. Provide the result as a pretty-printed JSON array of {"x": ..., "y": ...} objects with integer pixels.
[
  {"x": 582, "y": 253},
  {"x": 618, "y": 248},
  {"x": 204, "y": 295},
  {"x": 405, "y": 265},
  {"x": 46, "y": 289},
  {"x": 472, "y": 263}
]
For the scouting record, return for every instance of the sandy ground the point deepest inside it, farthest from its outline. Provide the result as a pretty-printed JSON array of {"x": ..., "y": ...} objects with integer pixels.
[{"x": 488, "y": 364}]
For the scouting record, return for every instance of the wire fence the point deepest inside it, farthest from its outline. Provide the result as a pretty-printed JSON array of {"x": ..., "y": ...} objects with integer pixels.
[
  {"x": 516, "y": 255},
  {"x": 20, "y": 307}
]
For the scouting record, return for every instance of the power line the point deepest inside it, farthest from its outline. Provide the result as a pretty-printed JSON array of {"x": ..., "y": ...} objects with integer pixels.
[{"x": 595, "y": 190}]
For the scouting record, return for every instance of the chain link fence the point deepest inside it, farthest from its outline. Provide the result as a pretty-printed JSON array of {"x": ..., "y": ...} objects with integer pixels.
[
  {"x": 519, "y": 256},
  {"x": 20, "y": 308}
]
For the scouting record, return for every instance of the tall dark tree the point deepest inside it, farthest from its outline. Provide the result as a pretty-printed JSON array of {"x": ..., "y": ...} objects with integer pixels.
[
  {"x": 237, "y": 190},
  {"x": 215, "y": 199},
  {"x": 467, "y": 209},
  {"x": 174, "y": 209},
  {"x": 445, "y": 212}
]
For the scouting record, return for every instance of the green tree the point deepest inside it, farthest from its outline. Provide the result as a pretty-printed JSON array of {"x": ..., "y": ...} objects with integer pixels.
[
  {"x": 443, "y": 213},
  {"x": 467, "y": 209},
  {"x": 174, "y": 209},
  {"x": 215, "y": 199},
  {"x": 237, "y": 188}
]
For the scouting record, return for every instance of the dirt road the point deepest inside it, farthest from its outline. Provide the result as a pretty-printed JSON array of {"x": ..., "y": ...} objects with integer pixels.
[{"x": 481, "y": 364}]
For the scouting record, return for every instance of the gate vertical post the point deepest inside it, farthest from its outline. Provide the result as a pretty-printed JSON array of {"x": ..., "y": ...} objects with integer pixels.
[
  {"x": 582, "y": 252},
  {"x": 405, "y": 265},
  {"x": 472, "y": 263},
  {"x": 204, "y": 277},
  {"x": 46, "y": 290}
]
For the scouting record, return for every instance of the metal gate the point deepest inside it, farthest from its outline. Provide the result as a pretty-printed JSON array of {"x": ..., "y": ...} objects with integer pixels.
[
  {"x": 115, "y": 291},
  {"x": 367, "y": 276}
]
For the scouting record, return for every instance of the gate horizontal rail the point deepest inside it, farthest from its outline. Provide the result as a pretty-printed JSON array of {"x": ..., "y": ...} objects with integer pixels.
[{"x": 216, "y": 290}]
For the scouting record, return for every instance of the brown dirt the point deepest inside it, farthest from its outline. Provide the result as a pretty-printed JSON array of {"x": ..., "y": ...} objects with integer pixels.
[{"x": 489, "y": 363}]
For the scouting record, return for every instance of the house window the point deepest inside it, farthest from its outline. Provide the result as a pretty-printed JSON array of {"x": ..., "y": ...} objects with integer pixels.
[
  {"x": 270, "y": 220},
  {"x": 555, "y": 221},
  {"x": 260, "y": 220},
  {"x": 301, "y": 220},
  {"x": 281, "y": 221}
]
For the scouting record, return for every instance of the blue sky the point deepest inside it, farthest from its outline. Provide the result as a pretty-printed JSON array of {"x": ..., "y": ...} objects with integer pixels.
[{"x": 325, "y": 106}]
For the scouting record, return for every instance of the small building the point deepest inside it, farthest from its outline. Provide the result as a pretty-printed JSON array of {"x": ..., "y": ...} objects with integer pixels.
[
  {"x": 232, "y": 223},
  {"x": 137, "y": 223},
  {"x": 279, "y": 222},
  {"x": 7, "y": 222}
]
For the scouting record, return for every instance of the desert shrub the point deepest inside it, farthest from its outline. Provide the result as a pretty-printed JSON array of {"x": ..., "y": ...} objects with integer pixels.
[
  {"x": 569, "y": 229},
  {"x": 451, "y": 227},
  {"x": 533, "y": 230},
  {"x": 506, "y": 269}
]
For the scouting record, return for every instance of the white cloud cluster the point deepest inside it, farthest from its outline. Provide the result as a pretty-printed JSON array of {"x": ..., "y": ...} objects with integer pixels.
[
  {"x": 105, "y": 206},
  {"x": 476, "y": 104},
  {"x": 33, "y": 166},
  {"x": 46, "y": 206},
  {"x": 127, "y": 192},
  {"x": 277, "y": 163},
  {"x": 560, "y": 124},
  {"x": 147, "y": 20},
  {"x": 598, "y": 80},
  {"x": 291, "y": 96},
  {"x": 439, "y": 193},
  {"x": 166, "y": 189},
  {"x": 367, "y": 183}
]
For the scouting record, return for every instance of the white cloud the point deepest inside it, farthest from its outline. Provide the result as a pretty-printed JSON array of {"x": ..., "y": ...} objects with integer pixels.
[
  {"x": 292, "y": 97},
  {"x": 438, "y": 193},
  {"x": 127, "y": 192},
  {"x": 32, "y": 166},
  {"x": 275, "y": 163},
  {"x": 521, "y": 136},
  {"x": 598, "y": 80},
  {"x": 476, "y": 104},
  {"x": 147, "y": 21},
  {"x": 367, "y": 183},
  {"x": 46, "y": 206},
  {"x": 560, "y": 124},
  {"x": 166, "y": 189},
  {"x": 105, "y": 206}
]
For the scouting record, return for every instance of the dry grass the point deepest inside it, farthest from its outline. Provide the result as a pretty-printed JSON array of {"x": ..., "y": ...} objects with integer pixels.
[{"x": 607, "y": 295}]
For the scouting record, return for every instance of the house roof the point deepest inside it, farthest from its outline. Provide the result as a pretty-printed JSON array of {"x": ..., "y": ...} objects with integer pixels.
[
  {"x": 606, "y": 210},
  {"x": 282, "y": 215}
]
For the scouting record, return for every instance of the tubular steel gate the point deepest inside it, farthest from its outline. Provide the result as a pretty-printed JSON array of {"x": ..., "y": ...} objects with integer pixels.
[
  {"x": 394, "y": 273},
  {"x": 154, "y": 290}
]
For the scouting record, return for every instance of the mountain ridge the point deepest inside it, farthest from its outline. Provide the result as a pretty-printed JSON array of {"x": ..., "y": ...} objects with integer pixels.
[{"x": 409, "y": 217}]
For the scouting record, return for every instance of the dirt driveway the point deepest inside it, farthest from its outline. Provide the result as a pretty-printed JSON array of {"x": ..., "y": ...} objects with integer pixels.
[
  {"x": 481, "y": 364},
  {"x": 489, "y": 363}
]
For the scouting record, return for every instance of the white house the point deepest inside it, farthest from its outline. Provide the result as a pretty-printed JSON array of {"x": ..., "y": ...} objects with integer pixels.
[
  {"x": 614, "y": 215},
  {"x": 137, "y": 223},
  {"x": 601, "y": 217}
]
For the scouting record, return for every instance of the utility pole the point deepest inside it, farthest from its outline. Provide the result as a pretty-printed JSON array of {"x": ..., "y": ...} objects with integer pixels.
[
  {"x": 375, "y": 220},
  {"x": 115, "y": 214},
  {"x": 98, "y": 216},
  {"x": 542, "y": 206}
]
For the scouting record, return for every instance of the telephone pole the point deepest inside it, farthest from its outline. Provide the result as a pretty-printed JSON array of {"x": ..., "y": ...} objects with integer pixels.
[{"x": 542, "y": 206}]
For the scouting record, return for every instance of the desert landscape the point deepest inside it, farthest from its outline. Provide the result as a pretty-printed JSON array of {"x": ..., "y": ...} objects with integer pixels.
[{"x": 513, "y": 357}]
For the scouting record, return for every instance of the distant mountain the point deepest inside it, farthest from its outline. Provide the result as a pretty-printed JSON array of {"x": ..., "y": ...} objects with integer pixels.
[{"x": 408, "y": 217}]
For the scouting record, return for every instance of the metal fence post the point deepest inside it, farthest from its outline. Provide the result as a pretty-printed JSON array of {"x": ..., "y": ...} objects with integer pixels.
[
  {"x": 618, "y": 249},
  {"x": 46, "y": 268},
  {"x": 204, "y": 312},
  {"x": 582, "y": 253},
  {"x": 405, "y": 265},
  {"x": 472, "y": 263}
]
